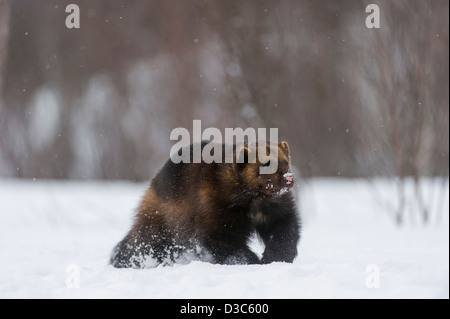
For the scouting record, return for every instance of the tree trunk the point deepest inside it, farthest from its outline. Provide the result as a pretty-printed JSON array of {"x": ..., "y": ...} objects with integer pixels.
[{"x": 4, "y": 32}]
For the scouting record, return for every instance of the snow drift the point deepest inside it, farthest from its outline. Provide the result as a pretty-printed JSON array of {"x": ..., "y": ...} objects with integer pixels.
[{"x": 56, "y": 238}]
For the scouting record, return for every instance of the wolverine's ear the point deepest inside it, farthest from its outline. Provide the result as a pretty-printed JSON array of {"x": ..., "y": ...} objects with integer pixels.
[
  {"x": 242, "y": 155},
  {"x": 284, "y": 146}
]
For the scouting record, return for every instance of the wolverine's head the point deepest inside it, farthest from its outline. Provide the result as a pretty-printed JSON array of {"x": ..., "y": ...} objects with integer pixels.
[{"x": 264, "y": 170}]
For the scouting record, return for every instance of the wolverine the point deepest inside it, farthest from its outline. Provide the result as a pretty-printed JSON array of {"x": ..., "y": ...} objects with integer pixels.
[{"x": 208, "y": 211}]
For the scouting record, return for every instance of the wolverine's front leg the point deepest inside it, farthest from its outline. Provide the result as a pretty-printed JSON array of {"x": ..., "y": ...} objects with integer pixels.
[
  {"x": 229, "y": 252},
  {"x": 280, "y": 238},
  {"x": 281, "y": 244}
]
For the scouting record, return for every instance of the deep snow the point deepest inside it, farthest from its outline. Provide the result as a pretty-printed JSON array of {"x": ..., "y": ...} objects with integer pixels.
[{"x": 56, "y": 236}]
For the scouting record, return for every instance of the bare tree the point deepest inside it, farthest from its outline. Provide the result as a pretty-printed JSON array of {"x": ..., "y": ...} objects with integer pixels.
[
  {"x": 4, "y": 38},
  {"x": 402, "y": 72},
  {"x": 4, "y": 33}
]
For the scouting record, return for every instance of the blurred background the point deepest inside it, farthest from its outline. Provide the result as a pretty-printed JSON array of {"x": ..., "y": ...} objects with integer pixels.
[{"x": 99, "y": 102}]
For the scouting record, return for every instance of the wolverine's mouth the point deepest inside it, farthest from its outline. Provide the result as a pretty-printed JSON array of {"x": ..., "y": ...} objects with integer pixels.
[
  {"x": 270, "y": 189},
  {"x": 288, "y": 178}
]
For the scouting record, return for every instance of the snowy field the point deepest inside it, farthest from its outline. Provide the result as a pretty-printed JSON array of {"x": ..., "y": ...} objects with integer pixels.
[{"x": 56, "y": 238}]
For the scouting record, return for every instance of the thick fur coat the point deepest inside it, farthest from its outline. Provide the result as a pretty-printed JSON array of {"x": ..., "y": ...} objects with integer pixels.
[{"x": 209, "y": 211}]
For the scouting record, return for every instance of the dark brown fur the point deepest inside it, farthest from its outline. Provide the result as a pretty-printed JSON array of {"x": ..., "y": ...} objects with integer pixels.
[{"x": 209, "y": 211}]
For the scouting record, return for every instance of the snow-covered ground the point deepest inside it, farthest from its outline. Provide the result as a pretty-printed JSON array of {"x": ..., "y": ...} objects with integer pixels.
[{"x": 56, "y": 238}]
